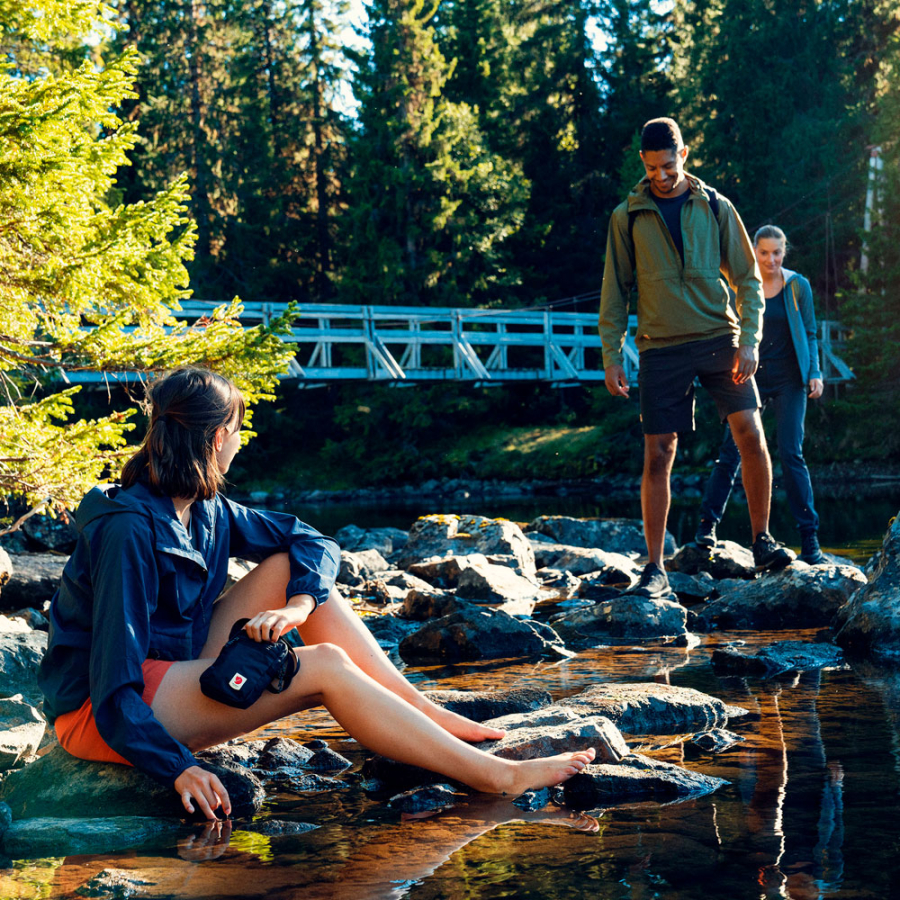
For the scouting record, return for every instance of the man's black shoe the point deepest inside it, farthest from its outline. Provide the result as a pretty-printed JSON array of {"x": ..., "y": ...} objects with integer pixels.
[
  {"x": 653, "y": 584},
  {"x": 810, "y": 551},
  {"x": 706, "y": 534},
  {"x": 769, "y": 555}
]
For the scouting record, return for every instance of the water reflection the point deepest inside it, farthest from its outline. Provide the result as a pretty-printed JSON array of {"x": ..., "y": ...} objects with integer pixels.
[{"x": 810, "y": 812}]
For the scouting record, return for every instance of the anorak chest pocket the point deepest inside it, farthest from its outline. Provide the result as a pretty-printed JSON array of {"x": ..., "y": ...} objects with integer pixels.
[{"x": 182, "y": 581}]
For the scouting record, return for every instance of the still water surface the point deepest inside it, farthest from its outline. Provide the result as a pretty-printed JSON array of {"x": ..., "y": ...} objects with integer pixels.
[{"x": 810, "y": 811}]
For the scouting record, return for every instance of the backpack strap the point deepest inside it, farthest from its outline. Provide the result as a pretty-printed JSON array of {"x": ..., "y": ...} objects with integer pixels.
[{"x": 712, "y": 197}]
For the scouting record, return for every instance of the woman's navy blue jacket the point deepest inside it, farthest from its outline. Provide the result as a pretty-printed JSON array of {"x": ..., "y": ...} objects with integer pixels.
[{"x": 137, "y": 586}]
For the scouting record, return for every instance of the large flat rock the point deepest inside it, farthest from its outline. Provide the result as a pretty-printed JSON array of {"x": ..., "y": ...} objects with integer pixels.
[
  {"x": 651, "y": 708},
  {"x": 799, "y": 596},
  {"x": 613, "y": 535},
  {"x": 635, "y": 777},
  {"x": 547, "y": 740},
  {"x": 34, "y": 580},
  {"x": 59, "y": 785},
  {"x": 625, "y": 617}
]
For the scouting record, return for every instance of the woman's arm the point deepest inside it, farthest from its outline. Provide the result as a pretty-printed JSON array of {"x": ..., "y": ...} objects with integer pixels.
[
  {"x": 125, "y": 583},
  {"x": 314, "y": 558}
]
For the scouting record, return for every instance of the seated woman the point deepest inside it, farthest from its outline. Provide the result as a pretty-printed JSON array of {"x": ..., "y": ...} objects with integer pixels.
[
  {"x": 136, "y": 621},
  {"x": 788, "y": 372}
]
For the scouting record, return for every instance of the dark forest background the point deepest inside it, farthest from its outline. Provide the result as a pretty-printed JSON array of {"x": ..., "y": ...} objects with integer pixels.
[{"x": 470, "y": 154}]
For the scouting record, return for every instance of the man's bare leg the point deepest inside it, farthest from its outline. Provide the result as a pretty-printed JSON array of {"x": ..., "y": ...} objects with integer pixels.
[
  {"x": 748, "y": 434},
  {"x": 659, "y": 454}
]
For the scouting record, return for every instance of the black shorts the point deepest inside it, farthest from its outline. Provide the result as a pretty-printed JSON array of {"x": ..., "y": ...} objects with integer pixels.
[{"x": 666, "y": 380}]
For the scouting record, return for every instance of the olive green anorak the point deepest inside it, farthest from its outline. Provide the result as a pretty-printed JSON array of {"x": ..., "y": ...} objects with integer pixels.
[{"x": 678, "y": 301}]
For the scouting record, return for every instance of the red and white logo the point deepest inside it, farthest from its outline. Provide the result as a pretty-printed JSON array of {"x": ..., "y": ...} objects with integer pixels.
[{"x": 237, "y": 681}]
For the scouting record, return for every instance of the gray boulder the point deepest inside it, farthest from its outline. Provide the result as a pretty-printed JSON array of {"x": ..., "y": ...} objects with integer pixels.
[
  {"x": 479, "y": 706},
  {"x": 444, "y": 571},
  {"x": 544, "y": 717},
  {"x": 385, "y": 540},
  {"x": 6, "y": 568},
  {"x": 51, "y": 836},
  {"x": 284, "y": 753},
  {"x": 357, "y": 568},
  {"x": 114, "y": 789},
  {"x": 34, "y": 580},
  {"x": 614, "y": 568},
  {"x": 21, "y": 731},
  {"x": 397, "y": 578},
  {"x": 692, "y": 589},
  {"x": 870, "y": 622},
  {"x": 581, "y": 734},
  {"x": 423, "y": 605},
  {"x": 474, "y": 634},
  {"x": 652, "y": 708},
  {"x": 628, "y": 616},
  {"x": 726, "y": 560},
  {"x": 426, "y": 798},
  {"x": 635, "y": 777},
  {"x": 441, "y": 535},
  {"x": 57, "y": 534},
  {"x": 486, "y": 583},
  {"x": 614, "y": 535},
  {"x": 546, "y": 550},
  {"x": 783, "y": 656},
  {"x": 800, "y": 596},
  {"x": 20, "y": 656},
  {"x": 388, "y": 630}
]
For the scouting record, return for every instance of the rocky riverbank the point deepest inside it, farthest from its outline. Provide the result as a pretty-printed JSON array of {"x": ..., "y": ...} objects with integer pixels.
[{"x": 458, "y": 589}]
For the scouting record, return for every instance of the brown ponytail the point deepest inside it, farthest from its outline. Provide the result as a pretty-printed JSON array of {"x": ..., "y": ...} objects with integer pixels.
[{"x": 178, "y": 455}]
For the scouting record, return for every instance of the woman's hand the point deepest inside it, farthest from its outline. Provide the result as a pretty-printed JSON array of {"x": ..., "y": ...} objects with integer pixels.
[
  {"x": 205, "y": 788},
  {"x": 816, "y": 386},
  {"x": 271, "y": 624}
]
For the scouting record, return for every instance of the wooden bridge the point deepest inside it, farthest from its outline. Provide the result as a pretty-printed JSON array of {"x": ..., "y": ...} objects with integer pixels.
[{"x": 407, "y": 345}]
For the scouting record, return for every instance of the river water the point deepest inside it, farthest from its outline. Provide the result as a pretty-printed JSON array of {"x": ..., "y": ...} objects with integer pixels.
[{"x": 810, "y": 809}]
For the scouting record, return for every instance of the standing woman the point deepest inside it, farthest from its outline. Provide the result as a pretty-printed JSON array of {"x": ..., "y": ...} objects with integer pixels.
[
  {"x": 137, "y": 620},
  {"x": 788, "y": 373}
]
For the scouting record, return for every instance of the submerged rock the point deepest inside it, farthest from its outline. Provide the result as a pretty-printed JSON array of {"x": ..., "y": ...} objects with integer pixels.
[
  {"x": 613, "y": 535},
  {"x": 426, "y": 798},
  {"x": 726, "y": 560},
  {"x": 628, "y": 616},
  {"x": 716, "y": 740},
  {"x": 800, "y": 596},
  {"x": 653, "y": 708},
  {"x": 783, "y": 656},
  {"x": 870, "y": 622},
  {"x": 114, "y": 789},
  {"x": 113, "y": 884},
  {"x": 581, "y": 734},
  {"x": 278, "y": 827},
  {"x": 635, "y": 777},
  {"x": 479, "y": 706},
  {"x": 50, "y": 836},
  {"x": 474, "y": 634}
]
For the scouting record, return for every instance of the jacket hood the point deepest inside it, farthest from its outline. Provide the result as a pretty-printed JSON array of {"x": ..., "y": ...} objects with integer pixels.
[
  {"x": 110, "y": 499},
  {"x": 640, "y": 196},
  {"x": 789, "y": 275}
]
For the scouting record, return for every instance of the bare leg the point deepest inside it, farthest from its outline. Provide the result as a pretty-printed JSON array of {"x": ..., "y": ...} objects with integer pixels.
[
  {"x": 659, "y": 454},
  {"x": 756, "y": 467},
  {"x": 369, "y": 712},
  {"x": 333, "y": 622}
]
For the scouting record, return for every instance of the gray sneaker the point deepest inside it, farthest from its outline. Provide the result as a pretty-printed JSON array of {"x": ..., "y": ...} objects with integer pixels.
[{"x": 654, "y": 583}]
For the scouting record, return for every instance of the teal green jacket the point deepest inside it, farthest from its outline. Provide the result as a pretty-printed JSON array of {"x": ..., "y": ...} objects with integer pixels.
[
  {"x": 802, "y": 322},
  {"x": 678, "y": 301}
]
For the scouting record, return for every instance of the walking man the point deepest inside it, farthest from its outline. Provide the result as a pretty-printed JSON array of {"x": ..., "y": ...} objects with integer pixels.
[{"x": 676, "y": 239}]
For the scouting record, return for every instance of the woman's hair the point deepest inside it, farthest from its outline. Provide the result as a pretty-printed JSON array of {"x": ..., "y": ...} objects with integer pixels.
[
  {"x": 770, "y": 231},
  {"x": 186, "y": 408}
]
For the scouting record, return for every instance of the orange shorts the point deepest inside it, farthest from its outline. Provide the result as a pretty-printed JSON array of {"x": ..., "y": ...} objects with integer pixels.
[{"x": 77, "y": 731}]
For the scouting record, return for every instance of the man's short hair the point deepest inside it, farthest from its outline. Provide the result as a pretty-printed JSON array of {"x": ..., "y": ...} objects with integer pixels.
[{"x": 661, "y": 134}]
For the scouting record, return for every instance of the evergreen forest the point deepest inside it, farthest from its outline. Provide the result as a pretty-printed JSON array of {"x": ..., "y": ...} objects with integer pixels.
[{"x": 416, "y": 152}]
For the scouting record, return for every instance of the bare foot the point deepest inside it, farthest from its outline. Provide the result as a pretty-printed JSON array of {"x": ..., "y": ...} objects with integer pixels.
[
  {"x": 461, "y": 727},
  {"x": 534, "y": 774}
]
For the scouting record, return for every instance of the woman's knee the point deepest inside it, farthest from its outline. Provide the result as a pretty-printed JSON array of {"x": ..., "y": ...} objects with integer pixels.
[{"x": 325, "y": 657}]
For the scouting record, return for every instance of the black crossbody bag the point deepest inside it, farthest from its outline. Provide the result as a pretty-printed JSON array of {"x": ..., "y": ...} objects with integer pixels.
[{"x": 245, "y": 668}]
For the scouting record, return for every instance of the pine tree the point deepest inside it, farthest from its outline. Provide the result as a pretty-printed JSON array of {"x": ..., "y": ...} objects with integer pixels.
[
  {"x": 90, "y": 283},
  {"x": 429, "y": 207}
]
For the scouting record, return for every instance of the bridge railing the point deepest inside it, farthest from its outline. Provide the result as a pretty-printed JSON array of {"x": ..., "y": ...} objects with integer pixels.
[{"x": 426, "y": 344}]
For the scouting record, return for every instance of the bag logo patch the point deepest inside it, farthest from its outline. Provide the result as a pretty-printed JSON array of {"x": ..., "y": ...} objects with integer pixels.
[{"x": 237, "y": 681}]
